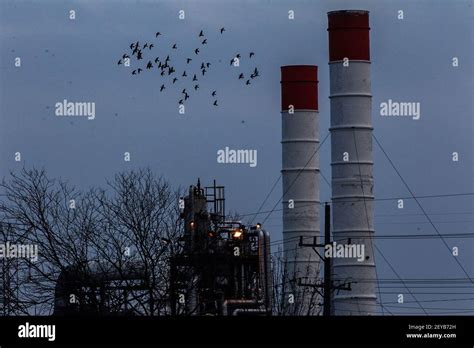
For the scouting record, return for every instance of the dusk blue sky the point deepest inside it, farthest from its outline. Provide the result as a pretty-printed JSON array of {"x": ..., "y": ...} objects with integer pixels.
[{"x": 411, "y": 62}]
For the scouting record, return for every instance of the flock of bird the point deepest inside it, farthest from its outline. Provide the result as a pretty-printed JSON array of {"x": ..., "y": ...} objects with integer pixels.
[{"x": 164, "y": 67}]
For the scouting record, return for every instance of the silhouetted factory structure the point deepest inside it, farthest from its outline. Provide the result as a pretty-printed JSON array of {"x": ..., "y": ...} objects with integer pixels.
[{"x": 225, "y": 267}]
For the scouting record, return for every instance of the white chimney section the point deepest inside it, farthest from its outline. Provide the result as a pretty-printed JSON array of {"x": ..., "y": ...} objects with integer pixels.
[
  {"x": 300, "y": 177},
  {"x": 351, "y": 160}
]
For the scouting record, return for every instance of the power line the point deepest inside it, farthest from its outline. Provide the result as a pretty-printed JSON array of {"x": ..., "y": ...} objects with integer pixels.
[
  {"x": 424, "y": 222},
  {"x": 402, "y": 305},
  {"x": 324, "y": 178},
  {"x": 430, "y": 287},
  {"x": 429, "y": 293},
  {"x": 416, "y": 280},
  {"x": 266, "y": 198},
  {"x": 372, "y": 243},
  {"x": 418, "y": 214},
  {"x": 441, "y": 300},
  {"x": 271, "y": 191},
  {"x": 297, "y": 176},
  {"x": 420, "y": 206},
  {"x": 399, "y": 236},
  {"x": 375, "y": 200}
]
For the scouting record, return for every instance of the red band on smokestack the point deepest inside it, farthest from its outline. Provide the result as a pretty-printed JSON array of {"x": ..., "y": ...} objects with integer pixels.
[
  {"x": 299, "y": 87},
  {"x": 348, "y": 35}
]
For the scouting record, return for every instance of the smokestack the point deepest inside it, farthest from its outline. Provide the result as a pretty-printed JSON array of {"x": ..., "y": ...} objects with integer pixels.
[
  {"x": 351, "y": 160},
  {"x": 300, "y": 177}
]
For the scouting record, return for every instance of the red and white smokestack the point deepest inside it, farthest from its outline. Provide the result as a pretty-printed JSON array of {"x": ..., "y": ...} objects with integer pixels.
[
  {"x": 351, "y": 161},
  {"x": 300, "y": 178}
]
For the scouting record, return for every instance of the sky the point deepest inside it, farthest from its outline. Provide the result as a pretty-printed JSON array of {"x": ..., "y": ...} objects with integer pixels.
[{"x": 411, "y": 61}]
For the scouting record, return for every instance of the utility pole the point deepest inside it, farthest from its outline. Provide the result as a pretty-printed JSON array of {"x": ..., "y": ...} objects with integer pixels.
[
  {"x": 327, "y": 261},
  {"x": 327, "y": 285}
]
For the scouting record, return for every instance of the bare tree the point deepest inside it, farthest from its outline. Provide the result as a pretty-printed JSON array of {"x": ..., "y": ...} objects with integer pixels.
[
  {"x": 94, "y": 240},
  {"x": 36, "y": 209},
  {"x": 140, "y": 219},
  {"x": 11, "y": 277},
  {"x": 289, "y": 297}
]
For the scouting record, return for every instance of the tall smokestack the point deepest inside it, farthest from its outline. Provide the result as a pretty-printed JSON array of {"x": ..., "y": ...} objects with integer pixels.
[
  {"x": 300, "y": 177},
  {"x": 351, "y": 160}
]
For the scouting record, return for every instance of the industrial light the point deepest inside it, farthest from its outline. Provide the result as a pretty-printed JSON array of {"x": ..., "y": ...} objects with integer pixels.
[
  {"x": 259, "y": 225},
  {"x": 237, "y": 233},
  {"x": 191, "y": 224}
]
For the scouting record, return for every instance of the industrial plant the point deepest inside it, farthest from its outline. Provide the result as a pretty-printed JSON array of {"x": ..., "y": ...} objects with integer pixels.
[
  {"x": 225, "y": 267},
  {"x": 201, "y": 172}
]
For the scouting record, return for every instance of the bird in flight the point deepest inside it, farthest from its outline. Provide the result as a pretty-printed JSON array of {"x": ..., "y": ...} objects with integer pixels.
[{"x": 164, "y": 67}]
